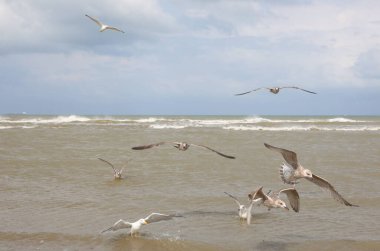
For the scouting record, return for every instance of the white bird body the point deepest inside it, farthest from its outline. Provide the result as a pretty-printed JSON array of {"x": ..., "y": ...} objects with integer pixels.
[
  {"x": 245, "y": 213},
  {"x": 135, "y": 226},
  {"x": 103, "y": 26}
]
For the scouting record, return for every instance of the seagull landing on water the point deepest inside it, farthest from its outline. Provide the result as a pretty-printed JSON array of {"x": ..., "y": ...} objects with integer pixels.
[
  {"x": 102, "y": 26},
  {"x": 116, "y": 172},
  {"x": 273, "y": 200},
  {"x": 182, "y": 146},
  {"x": 135, "y": 226},
  {"x": 275, "y": 90},
  {"x": 243, "y": 211},
  {"x": 292, "y": 170}
]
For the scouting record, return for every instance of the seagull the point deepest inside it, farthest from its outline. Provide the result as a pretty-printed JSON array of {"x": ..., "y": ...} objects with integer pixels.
[
  {"x": 243, "y": 211},
  {"x": 135, "y": 226},
  {"x": 292, "y": 170},
  {"x": 275, "y": 90},
  {"x": 102, "y": 26},
  {"x": 117, "y": 173},
  {"x": 274, "y": 201},
  {"x": 182, "y": 146}
]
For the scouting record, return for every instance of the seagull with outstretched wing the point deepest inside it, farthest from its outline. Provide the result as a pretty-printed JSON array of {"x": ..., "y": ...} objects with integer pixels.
[
  {"x": 274, "y": 90},
  {"x": 135, "y": 226},
  {"x": 292, "y": 170},
  {"x": 243, "y": 211},
  {"x": 116, "y": 172},
  {"x": 273, "y": 200},
  {"x": 103, "y": 26},
  {"x": 182, "y": 146}
]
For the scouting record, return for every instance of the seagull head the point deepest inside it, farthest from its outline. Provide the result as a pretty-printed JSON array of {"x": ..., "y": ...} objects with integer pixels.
[
  {"x": 241, "y": 207},
  {"x": 307, "y": 173},
  {"x": 143, "y": 222},
  {"x": 184, "y": 146},
  {"x": 281, "y": 204}
]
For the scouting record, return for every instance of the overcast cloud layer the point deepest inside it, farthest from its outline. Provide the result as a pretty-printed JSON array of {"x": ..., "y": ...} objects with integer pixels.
[{"x": 189, "y": 57}]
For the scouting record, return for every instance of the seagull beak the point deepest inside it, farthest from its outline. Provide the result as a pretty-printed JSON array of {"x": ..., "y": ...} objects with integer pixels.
[{"x": 286, "y": 208}]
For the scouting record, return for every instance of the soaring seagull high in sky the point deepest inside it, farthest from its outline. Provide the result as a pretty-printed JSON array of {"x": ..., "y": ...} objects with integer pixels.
[
  {"x": 292, "y": 170},
  {"x": 275, "y": 90},
  {"x": 103, "y": 26},
  {"x": 182, "y": 146},
  {"x": 135, "y": 226}
]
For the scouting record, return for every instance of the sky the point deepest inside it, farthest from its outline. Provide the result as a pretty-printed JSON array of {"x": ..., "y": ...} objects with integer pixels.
[{"x": 180, "y": 57}]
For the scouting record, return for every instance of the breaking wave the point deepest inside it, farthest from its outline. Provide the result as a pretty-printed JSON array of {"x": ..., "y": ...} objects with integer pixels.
[{"x": 254, "y": 123}]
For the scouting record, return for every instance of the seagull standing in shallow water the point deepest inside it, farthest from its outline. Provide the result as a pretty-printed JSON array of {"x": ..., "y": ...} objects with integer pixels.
[
  {"x": 292, "y": 170},
  {"x": 102, "y": 26},
  {"x": 182, "y": 146},
  {"x": 135, "y": 226},
  {"x": 274, "y": 201},
  {"x": 116, "y": 173},
  {"x": 243, "y": 211},
  {"x": 275, "y": 90}
]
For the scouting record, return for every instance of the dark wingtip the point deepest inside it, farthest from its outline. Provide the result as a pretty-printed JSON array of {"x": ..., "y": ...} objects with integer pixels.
[
  {"x": 266, "y": 145},
  {"x": 352, "y": 205},
  {"x": 138, "y": 148},
  {"x": 239, "y": 94}
]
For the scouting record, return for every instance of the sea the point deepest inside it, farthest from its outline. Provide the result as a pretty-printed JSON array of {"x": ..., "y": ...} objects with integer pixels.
[{"x": 56, "y": 194}]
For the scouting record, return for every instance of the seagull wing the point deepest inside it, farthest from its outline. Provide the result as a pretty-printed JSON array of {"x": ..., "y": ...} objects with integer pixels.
[
  {"x": 293, "y": 198},
  {"x": 249, "y": 212},
  {"x": 234, "y": 198},
  {"x": 148, "y": 146},
  {"x": 156, "y": 217},
  {"x": 258, "y": 195},
  {"x": 327, "y": 186},
  {"x": 289, "y": 156},
  {"x": 120, "y": 224},
  {"x": 105, "y": 161},
  {"x": 221, "y": 154},
  {"x": 95, "y": 20},
  {"x": 243, "y": 93},
  {"x": 295, "y": 87},
  {"x": 115, "y": 29}
]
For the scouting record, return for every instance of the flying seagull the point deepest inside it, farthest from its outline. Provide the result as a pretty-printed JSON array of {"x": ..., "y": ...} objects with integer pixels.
[
  {"x": 275, "y": 90},
  {"x": 243, "y": 211},
  {"x": 116, "y": 173},
  {"x": 182, "y": 146},
  {"x": 102, "y": 26},
  {"x": 273, "y": 200},
  {"x": 292, "y": 170},
  {"x": 135, "y": 226}
]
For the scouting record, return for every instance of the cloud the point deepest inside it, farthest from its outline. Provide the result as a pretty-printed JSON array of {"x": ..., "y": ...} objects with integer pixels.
[
  {"x": 368, "y": 65},
  {"x": 177, "y": 50}
]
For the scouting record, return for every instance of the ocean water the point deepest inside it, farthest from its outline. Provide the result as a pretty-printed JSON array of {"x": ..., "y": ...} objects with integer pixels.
[{"x": 56, "y": 195}]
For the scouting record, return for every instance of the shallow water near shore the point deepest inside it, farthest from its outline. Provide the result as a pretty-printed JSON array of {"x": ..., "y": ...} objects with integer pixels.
[{"x": 56, "y": 195}]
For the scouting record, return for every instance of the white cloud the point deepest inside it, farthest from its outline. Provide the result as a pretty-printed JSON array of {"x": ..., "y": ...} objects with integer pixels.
[{"x": 183, "y": 48}]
